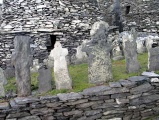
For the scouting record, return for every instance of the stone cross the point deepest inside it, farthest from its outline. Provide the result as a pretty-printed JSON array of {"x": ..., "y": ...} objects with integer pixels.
[
  {"x": 45, "y": 79},
  {"x": 62, "y": 78},
  {"x": 153, "y": 59},
  {"x": 98, "y": 50},
  {"x": 130, "y": 50},
  {"x": 22, "y": 61}
]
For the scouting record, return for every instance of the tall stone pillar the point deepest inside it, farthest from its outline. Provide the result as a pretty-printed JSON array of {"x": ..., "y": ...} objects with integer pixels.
[{"x": 22, "y": 61}]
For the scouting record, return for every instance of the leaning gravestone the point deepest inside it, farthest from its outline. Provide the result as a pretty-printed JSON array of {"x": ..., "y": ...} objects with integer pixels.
[
  {"x": 130, "y": 50},
  {"x": 62, "y": 78},
  {"x": 153, "y": 59},
  {"x": 22, "y": 61},
  {"x": 45, "y": 79},
  {"x": 3, "y": 79},
  {"x": 98, "y": 50}
]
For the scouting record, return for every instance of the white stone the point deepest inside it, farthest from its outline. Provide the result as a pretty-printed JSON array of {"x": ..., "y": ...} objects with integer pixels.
[
  {"x": 8, "y": 27},
  {"x": 62, "y": 78},
  {"x": 155, "y": 80}
]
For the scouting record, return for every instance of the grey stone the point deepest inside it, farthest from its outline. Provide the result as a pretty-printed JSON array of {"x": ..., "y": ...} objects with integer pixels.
[
  {"x": 4, "y": 105},
  {"x": 150, "y": 74},
  {"x": 2, "y": 77},
  {"x": 86, "y": 105},
  {"x": 141, "y": 89},
  {"x": 45, "y": 79},
  {"x": 18, "y": 115},
  {"x": 14, "y": 105},
  {"x": 30, "y": 118},
  {"x": 115, "y": 91},
  {"x": 75, "y": 112},
  {"x": 130, "y": 47},
  {"x": 2, "y": 90},
  {"x": 92, "y": 112},
  {"x": 69, "y": 96},
  {"x": 138, "y": 79},
  {"x": 95, "y": 90},
  {"x": 141, "y": 48},
  {"x": 98, "y": 50},
  {"x": 114, "y": 84},
  {"x": 24, "y": 100},
  {"x": 77, "y": 102},
  {"x": 22, "y": 61},
  {"x": 127, "y": 83},
  {"x": 122, "y": 101},
  {"x": 41, "y": 111},
  {"x": 62, "y": 77},
  {"x": 153, "y": 61},
  {"x": 9, "y": 72},
  {"x": 144, "y": 100},
  {"x": 121, "y": 95},
  {"x": 110, "y": 112}
]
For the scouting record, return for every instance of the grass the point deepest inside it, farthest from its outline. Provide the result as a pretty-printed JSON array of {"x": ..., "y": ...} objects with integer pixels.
[{"x": 79, "y": 75}]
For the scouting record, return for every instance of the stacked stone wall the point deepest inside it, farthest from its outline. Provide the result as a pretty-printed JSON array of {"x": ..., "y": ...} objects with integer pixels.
[{"x": 134, "y": 99}]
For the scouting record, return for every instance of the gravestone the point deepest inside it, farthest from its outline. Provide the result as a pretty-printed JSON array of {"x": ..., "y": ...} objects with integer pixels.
[
  {"x": 141, "y": 48},
  {"x": 130, "y": 50},
  {"x": 35, "y": 66},
  {"x": 3, "y": 79},
  {"x": 62, "y": 78},
  {"x": 45, "y": 79},
  {"x": 80, "y": 57},
  {"x": 22, "y": 61},
  {"x": 9, "y": 72},
  {"x": 2, "y": 91},
  {"x": 149, "y": 43},
  {"x": 153, "y": 59},
  {"x": 98, "y": 50}
]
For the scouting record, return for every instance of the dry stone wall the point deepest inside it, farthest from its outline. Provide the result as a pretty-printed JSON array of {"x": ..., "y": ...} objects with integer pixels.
[{"x": 134, "y": 99}]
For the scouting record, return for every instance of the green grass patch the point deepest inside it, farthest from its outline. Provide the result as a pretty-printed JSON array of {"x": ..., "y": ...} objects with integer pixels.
[{"x": 79, "y": 75}]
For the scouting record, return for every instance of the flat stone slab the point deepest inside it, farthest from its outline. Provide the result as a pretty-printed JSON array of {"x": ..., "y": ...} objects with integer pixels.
[
  {"x": 69, "y": 96},
  {"x": 150, "y": 74},
  {"x": 138, "y": 78},
  {"x": 114, "y": 84},
  {"x": 2, "y": 77},
  {"x": 95, "y": 90},
  {"x": 4, "y": 105},
  {"x": 24, "y": 100}
]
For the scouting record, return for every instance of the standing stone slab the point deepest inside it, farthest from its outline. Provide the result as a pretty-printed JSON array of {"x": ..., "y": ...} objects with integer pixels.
[
  {"x": 130, "y": 50},
  {"x": 62, "y": 78},
  {"x": 45, "y": 79},
  {"x": 153, "y": 59},
  {"x": 98, "y": 50},
  {"x": 22, "y": 62},
  {"x": 2, "y": 91},
  {"x": 2, "y": 77}
]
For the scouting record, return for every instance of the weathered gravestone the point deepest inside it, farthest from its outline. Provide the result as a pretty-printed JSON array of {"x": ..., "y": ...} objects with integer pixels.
[
  {"x": 141, "y": 48},
  {"x": 62, "y": 78},
  {"x": 153, "y": 59},
  {"x": 98, "y": 50},
  {"x": 45, "y": 79},
  {"x": 130, "y": 50},
  {"x": 80, "y": 57},
  {"x": 9, "y": 72},
  {"x": 22, "y": 61},
  {"x": 35, "y": 66},
  {"x": 3, "y": 79}
]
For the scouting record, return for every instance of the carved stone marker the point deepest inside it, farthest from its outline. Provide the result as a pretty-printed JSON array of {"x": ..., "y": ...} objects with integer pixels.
[
  {"x": 130, "y": 50},
  {"x": 2, "y": 77},
  {"x": 98, "y": 50},
  {"x": 45, "y": 79},
  {"x": 22, "y": 61},
  {"x": 62, "y": 78},
  {"x": 153, "y": 59}
]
